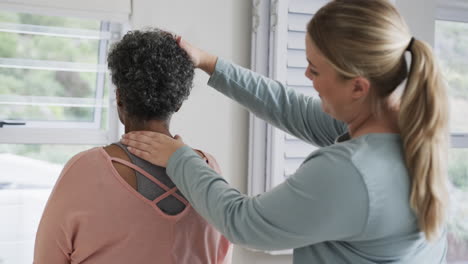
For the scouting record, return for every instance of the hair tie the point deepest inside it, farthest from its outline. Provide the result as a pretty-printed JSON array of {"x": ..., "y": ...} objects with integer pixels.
[{"x": 410, "y": 45}]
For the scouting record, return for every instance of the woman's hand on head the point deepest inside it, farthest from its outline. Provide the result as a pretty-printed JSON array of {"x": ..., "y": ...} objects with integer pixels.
[
  {"x": 151, "y": 146},
  {"x": 194, "y": 53},
  {"x": 200, "y": 58}
]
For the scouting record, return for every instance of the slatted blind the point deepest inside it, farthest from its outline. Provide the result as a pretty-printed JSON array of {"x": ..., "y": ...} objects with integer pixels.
[{"x": 299, "y": 14}]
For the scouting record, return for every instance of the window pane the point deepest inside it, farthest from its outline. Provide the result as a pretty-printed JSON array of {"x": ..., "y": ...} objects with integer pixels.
[
  {"x": 54, "y": 48},
  {"x": 28, "y": 174},
  {"x": 53, "y": 72},
  {"x": 49, "y": 113},
  {"x": 26, "y": 82},
  {"x": 458, "y": 220},
  {"x": 40, "y": 95},
  {"x": 451, "y": 47}
]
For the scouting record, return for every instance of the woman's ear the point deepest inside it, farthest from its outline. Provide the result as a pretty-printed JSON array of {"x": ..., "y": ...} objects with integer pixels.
[
  {"x": 361, "y": 87},
  {"x": 117, "y": 98},
  {"x": 120, "y": 110}
]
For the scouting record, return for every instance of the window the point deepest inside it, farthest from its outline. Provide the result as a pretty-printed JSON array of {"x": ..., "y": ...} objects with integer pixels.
[
  {"x": 56, "y": 100},
  {"x": 54, "y": 75},
  {"x": 273, "y": 154},
  {"x": 452, "y": 51}
]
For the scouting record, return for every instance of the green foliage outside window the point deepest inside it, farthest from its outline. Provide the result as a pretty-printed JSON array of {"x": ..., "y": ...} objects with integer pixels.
[{"x": 27, "y": 82}]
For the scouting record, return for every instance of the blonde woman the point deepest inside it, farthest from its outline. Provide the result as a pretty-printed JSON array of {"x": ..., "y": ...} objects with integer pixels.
[{"x": 375, "y": 192}]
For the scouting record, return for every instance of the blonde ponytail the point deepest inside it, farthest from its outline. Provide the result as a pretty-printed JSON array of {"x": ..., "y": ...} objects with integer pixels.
[{"x": 423, "y": 124}]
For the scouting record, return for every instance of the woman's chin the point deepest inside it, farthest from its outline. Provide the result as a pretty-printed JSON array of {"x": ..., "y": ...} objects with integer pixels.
[
  {"x": 327, "y": 111},
  {"x": 324, "y": 108}
]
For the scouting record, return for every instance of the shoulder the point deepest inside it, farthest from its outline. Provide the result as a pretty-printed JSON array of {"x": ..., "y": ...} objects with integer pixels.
[
  {"x": 331, "y": 174},
  {"x": 368, "y": 151},
  {"x": 331, "y": 164},
  {"x": 71, "y": 180},
  {"x": 114, "y": 151},
  {"x": 379, "y": 158},
  {"x": 82, "y": 157},
  {"x": 81, "y": 163},
  {"x": 210, "y": 160},
  {"x": 96, "y": 154}
]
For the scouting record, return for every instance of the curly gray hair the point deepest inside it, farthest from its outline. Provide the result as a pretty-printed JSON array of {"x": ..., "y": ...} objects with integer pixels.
[{"x": 153, "y": 75}]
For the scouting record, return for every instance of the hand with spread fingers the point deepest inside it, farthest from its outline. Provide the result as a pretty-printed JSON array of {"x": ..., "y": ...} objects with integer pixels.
[{"x": 154, "y": 147}]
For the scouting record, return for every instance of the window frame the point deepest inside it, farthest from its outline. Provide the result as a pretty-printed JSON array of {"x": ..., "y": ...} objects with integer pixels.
[
  {"x": 66, "y": 132},
  {"x": 265, "y": 145}
]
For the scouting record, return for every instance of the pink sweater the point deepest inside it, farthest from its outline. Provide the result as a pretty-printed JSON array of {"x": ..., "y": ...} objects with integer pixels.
[{"x": 94, "y": 216}]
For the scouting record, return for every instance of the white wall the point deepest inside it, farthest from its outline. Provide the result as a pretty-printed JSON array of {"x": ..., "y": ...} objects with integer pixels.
[
  {"x": 420, "y": 17},
  {"x": 209, "y": 120}
]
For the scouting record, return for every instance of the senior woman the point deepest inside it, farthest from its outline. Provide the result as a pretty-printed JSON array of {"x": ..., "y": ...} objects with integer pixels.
[
  {"x": 375, "y": 192},
  {"x": 109, "y": 206}
]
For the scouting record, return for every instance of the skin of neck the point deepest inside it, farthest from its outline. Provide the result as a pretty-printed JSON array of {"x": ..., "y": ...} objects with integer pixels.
[
  {"x": 135, "y": 124},
  {"x": 160, "y": 126},
  {"x": 366, "y": 122}
]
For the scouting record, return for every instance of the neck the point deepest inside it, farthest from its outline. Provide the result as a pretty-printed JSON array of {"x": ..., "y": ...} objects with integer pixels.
[
  {"x": 149, "y": 125},
  {"x": 385, "y": 122}
]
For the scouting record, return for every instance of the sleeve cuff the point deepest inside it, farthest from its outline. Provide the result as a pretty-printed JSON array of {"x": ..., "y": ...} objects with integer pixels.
[{"x": 220, "y": 68}]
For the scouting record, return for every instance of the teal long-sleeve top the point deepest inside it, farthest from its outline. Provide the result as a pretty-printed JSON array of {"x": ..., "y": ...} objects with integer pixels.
[{"x": 347, "y": 203}]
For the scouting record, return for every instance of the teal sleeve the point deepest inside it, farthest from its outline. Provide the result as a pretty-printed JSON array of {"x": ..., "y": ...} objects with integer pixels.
[
  {"x": 324, "y": 200},
  {"x": 283, "y": 107}
]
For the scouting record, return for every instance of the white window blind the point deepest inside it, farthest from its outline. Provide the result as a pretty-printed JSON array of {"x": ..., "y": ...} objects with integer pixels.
[{"x": 299, "y": 14}]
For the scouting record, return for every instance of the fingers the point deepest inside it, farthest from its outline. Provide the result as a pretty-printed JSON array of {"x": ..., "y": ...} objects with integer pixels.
[
  {"x": 138, "y": 145},
  {"x": 141, "y": 141},
  {"x": 147, "y": 141},
  {"x": 151, "y": 146},
  {"x": 178, "y": 39},
  {"x": 139, "y": 153}
]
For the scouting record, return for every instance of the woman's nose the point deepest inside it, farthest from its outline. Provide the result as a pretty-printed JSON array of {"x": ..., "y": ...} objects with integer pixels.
[{"x": 308, "y": 75}]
